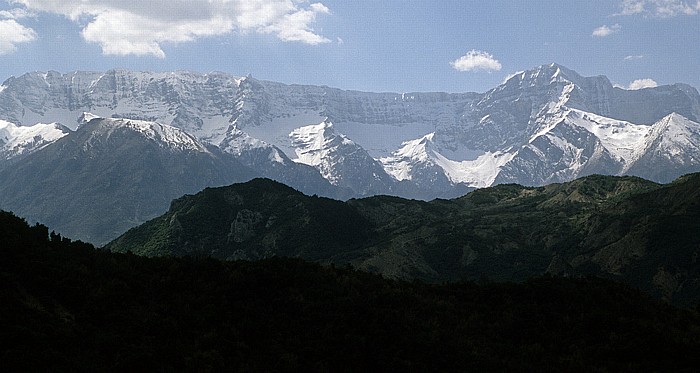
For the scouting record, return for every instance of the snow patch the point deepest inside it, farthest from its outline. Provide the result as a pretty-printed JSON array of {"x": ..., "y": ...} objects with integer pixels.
[
  {"x": 86, "y": 117},
  {"x": 622, "y": 139},
  {"x": 461, "y": 165},
  {"x": 275, "y": 156},
  {"x": 213, "y": 129},
  {"x": 63, "y": 116},
  {"x": 381, "y": 139},
  {"x": 238, "y": 142},
  {"x": 277, "y": 131},
  {"x": 479, "y": 173}
]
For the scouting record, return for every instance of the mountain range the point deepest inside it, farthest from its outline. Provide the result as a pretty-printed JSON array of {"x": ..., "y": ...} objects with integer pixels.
[
  {"x": 545, "y": 125},
  {"x": 625, "y": 228}
]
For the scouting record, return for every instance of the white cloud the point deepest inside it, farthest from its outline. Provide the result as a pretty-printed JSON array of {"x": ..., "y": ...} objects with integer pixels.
[
  {"x": 294, "y": 26},
  {"x": 16, "y": 13},
  {"x": 630, "y": 7},
  {"x": 606, "y": 30},
  {"x": 660, "y": 8},
  {"x": 634, "y": 57},
  {"x": 476, "y": 60},
  {"x": 12, "y": 34},
  {"x": 642, "y": 83},
  {"x": 140, "y": 27}
]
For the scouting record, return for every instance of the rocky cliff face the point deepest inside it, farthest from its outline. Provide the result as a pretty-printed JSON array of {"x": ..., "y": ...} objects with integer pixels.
[
  {"x": 521, "y": 131},
  {"x": 544, "y": 125}
]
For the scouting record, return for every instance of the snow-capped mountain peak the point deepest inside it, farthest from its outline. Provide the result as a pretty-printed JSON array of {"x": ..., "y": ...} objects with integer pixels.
[
  {"x": 339, "y": 160},
  {"x": 669, "y": 149},
  {"x": 413, "y": 153},
  {"x": 21, "y": 140},
  {"x": 164, "y": 135},
  {"x": 548, "y": 122},
  {"x": 459, "y": 165},
  {"x": 674, "y": 135},
  {"x": 315, "y": 142},
  {"x": 419, "y": 149},
  {"x": 542, "y": 76}
]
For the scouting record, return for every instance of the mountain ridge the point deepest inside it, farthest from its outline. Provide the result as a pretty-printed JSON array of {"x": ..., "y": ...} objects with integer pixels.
[
  {"x": 616, "y": 227},
  {"x": 255, "y": 101},
  {"x": 544, "y": 125},
  {"x": 111, "y": 174}
]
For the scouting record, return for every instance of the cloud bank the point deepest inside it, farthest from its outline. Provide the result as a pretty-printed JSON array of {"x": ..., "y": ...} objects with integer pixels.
[
  {"x": 642, "y": 83},
  {"x": 140, "y": 27},
  {"x": 12, "y": 34},
  {"x": 606, "y": 30},
  {"x": 476, "y": 60},
  {"x": 660, "y": 8}
]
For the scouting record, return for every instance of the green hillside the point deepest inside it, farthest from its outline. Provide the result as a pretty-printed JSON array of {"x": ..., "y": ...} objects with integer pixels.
[{"x": 624, "y": 228}]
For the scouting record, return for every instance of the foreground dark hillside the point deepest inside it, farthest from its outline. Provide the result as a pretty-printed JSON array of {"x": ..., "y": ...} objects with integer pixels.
[
  {"x": 624, "y": 228},
  {"x": 67, "y": 307}
]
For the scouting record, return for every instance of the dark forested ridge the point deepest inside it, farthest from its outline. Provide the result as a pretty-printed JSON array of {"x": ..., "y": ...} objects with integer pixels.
[
  {"x": 625, "y": 228},
  {"x": 65, "y": 306}
]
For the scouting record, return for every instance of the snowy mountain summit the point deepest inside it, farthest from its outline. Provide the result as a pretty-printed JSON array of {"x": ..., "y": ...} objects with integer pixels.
[
  {"x": 548, "y": 124},
  {"x": 16, "y": 141},
  {"x": 164, "y": 135}
]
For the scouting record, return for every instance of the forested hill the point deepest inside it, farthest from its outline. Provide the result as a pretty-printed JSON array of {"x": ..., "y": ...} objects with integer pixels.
[
  {"x": 626, "y": 228},
  {"x": 65, "y": 306}
]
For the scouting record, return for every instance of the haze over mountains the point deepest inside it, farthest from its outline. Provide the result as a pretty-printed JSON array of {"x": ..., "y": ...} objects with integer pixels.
[{"x": 152, "y": 137}]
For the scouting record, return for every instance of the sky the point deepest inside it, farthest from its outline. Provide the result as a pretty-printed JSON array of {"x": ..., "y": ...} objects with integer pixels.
[{"x": 367, "y": 45}]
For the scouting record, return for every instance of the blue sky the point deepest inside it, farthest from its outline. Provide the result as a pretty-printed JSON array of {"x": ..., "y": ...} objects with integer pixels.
[{"x": 370, "y": 45}]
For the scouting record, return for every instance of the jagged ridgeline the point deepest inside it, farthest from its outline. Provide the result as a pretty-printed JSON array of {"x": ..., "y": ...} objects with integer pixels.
[
  {"x": 627, "y": 228},
  {"x": 178, "y": 132},
  {"x": 68, "y": 307},
  {"x": 112, "y": 174}
]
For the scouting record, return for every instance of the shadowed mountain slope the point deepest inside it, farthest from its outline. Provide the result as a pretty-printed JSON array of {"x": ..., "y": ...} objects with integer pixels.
[
  {"x": 618, "y": 227},
  {"x": 112, "y": 174}
]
